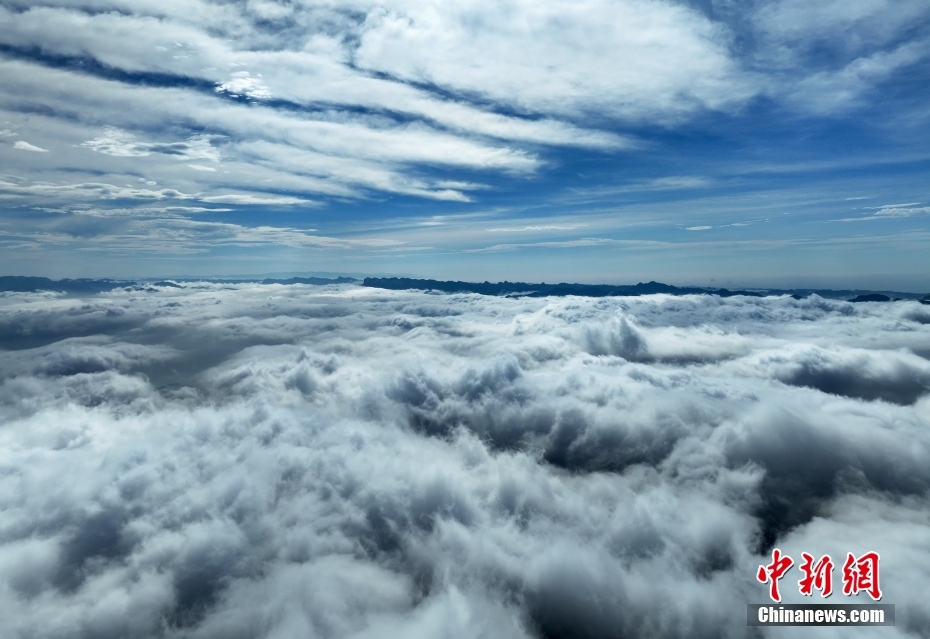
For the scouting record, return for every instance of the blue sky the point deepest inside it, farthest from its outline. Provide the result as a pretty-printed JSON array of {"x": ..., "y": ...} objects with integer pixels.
[{"x": 780, "y": 143}]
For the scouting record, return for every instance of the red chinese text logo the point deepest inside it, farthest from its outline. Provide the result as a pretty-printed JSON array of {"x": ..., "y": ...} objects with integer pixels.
[
  {"x": 775, "y": 571},
  {"x": 819, "y": 575},
  {"x": 859, "y": 574}
]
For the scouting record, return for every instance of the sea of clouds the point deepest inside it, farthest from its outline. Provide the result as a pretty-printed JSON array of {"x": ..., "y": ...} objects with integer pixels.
[{"x": 269, "y": 461}]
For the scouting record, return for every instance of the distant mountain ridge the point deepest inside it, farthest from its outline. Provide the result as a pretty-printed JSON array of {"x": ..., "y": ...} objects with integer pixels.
[
  {"x": 546, "y": 290},
  {"x": 542, "y": 289},
  {"x": 25, "y": 284}
]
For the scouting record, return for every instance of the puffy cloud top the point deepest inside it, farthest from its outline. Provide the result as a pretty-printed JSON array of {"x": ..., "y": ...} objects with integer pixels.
[{"x": 277, "y": 461}]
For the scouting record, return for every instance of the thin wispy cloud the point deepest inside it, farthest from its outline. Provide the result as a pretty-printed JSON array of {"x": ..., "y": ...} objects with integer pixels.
[
  {"x": 890, "y": 211},
  {"x": 528, "y": 229},
  {"x": 122, "y": 144},
  {"x": 22, "y": 145}
]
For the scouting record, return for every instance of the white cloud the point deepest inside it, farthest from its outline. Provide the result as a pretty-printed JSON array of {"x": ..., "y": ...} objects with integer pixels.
[
  {"x": 251, "y": 198},
  {"x": 267, "y": 10},
  {"x": 531, "y": 228},
  {"x": 890, "y": 211},
  {"x": 831, "y": 55},
  {"x": 242, "y": 83},
  {"x": 677, "y": 182},
  {"x": 866, "y": 22},
  {"x": 833, "y": 90},
  {"x": 264, "y": 461},
  {"x": 382, "y": 90},
  {"x": 303, "y": 154},
  {"x": 636, "y": 59},
  {"x": 87, "y": 190},
  {"x": 892, "y": 206},
  {"x": 369, "y": 172},
  {"x": 171, "y": 230},
  {"x": 25, "y": 146},
  {"x": 319, "y": 55},
  {"x": 901, "y": 211},
  {"x": 668, "y": 183},
  {"x": 449, "y": 102},
  {"x": 119, "y": 143},
  {"x": 564, "y": 244},
  {"x": 102, "y": 191}
]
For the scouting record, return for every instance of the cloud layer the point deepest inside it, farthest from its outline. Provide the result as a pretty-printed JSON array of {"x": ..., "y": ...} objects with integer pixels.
[
  {"x": 274, "y": 461},
  {"x": 362, "y": 122},
  {"x": 361, "y": 97}
]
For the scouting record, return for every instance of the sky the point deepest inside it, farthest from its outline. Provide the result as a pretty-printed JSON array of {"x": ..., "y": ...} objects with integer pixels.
[
  {"x": 246, "y": 461},
  {"x": 713, "y": 142}
]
